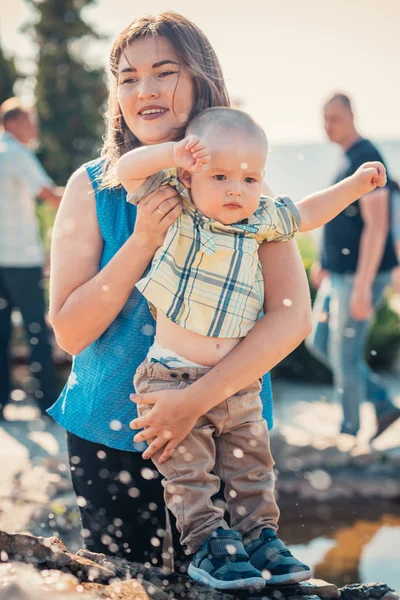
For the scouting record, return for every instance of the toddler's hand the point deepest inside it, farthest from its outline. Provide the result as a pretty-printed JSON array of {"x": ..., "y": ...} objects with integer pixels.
[
  {"x": 369, "y": 176},
  {"x": 191, "y": 154}
]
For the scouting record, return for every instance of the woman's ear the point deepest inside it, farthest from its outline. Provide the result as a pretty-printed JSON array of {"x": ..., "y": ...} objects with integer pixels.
[{"x": 185, "y": 177}]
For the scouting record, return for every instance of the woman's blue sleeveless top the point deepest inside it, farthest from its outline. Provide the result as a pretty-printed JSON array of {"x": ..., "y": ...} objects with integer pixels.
[{"x": 94, "y": 403}]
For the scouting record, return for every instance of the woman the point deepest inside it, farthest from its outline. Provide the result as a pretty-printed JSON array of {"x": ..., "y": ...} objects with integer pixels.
[{"x": 164, "y": 72}]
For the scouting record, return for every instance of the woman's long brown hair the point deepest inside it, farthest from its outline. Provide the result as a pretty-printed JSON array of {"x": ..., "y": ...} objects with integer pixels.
[{"x": 195, "y": 52}]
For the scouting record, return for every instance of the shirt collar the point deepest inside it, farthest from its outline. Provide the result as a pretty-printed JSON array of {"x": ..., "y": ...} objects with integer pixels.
[
  {"x": 208, "y": 223},
  {"x": 10, "y": 137}
]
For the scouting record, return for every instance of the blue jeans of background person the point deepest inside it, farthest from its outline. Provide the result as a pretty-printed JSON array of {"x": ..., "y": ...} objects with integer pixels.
[
  {"x": 339, "y": 341},
  {"x": 22, "y": 288}
]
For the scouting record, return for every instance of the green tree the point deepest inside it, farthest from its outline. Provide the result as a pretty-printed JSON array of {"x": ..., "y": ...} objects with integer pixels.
[
  {"x": 8, "y": 77},
  {"x": 70, "y": 92}
]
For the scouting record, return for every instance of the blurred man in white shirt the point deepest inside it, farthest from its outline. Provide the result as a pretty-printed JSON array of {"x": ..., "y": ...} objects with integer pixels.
[{"x": 22, "y": 180}]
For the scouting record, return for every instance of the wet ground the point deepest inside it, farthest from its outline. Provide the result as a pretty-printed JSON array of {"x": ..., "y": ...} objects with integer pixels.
[{"x": 348, "y": 542}]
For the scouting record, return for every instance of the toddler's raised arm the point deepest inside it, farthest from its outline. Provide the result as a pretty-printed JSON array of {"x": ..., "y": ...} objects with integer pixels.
[
  {"x": 319, "y": 208},
  {"x": 134, "y": 167}
]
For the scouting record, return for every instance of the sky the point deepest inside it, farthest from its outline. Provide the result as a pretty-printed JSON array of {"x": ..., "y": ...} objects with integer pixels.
[{"x": 281, "y": 58}]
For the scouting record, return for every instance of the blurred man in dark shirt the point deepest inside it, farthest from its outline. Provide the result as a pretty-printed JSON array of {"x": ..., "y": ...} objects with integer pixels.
[{"x": 357, "y": 258}]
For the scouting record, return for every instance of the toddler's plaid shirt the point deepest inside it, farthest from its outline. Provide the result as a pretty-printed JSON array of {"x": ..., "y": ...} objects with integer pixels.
[{"x": 206, "y": 276}]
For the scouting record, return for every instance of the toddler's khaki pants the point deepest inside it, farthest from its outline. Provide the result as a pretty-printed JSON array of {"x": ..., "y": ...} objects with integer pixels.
[{"x": 229, "y": 443}]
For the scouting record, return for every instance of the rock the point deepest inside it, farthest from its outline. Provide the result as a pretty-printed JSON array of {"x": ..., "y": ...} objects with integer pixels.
[
  {"x": 304, "y": 598},
  {"x": 24, "y": 582},
  {"x": 392, "y": 455},
  {"x": 49, "y": 553},
  {"x": 85, "y": 574},
  {"x": 313, "y": 587},
  {"x": 126, "y": 590},
  {"x": 365, "y": 458},
  {"x": 366, "y": 591},
  {"x": 178, "y": 585}
]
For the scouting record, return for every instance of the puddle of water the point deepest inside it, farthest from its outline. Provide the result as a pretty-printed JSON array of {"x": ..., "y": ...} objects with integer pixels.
[{"x": 346, "y": 544}]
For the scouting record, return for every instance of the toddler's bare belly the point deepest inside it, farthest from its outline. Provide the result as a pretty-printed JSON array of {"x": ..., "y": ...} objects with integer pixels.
[{"x": 198, "y": 348}]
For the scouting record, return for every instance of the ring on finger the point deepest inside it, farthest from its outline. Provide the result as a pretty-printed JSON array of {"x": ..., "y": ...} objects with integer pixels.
[{"x": 160, "y": 211}]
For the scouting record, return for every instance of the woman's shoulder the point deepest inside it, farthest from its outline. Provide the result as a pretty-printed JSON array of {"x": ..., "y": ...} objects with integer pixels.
[
  {"x": 89, "y": 174},
  {"x": 95, "y": 166},
  {"x": 94, "y": 170}
]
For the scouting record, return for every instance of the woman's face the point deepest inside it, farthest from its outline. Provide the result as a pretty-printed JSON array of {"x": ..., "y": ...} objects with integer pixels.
[{"x": 155, "y": 91}]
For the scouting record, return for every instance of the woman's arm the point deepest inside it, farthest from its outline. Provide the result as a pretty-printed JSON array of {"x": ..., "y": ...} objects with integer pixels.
[
  {"x": 286, "y": 323},
  {"x": 83, "y": 300}
]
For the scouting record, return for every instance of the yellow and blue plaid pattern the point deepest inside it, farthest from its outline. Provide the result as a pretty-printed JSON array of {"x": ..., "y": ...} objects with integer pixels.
[{"x": 207, "y": 277}]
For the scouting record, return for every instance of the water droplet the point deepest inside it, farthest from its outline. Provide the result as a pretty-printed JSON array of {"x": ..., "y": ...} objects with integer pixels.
[
  {"x": 147, "y": 473},
  {"x": 266, "y": 574},
  {"x": 238, "y": 453},
  {"x": 349, "y": 332},
  {"x": 148, "y": 330},
  {"x": 106, "y": 539},
  {"x": 124, "y": 477},
  {"x": 34, "y": 327},
  {"x": 18, "y": 395},
  {"x": 72, "y": 380},
  {"x": 319, "y": 479},
  {"x": 133, "y": 492},
  {"x": 351, "y": 211},
  {"x": 323, "y": 317}
]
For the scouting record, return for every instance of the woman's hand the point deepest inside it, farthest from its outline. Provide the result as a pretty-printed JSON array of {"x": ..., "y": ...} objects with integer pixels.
[
  {"x": 170, "y": 420},
  {"x": 155, "y": 214}
]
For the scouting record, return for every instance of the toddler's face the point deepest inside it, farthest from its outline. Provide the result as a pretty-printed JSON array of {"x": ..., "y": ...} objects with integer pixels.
[{"x": 228, "y": 188}]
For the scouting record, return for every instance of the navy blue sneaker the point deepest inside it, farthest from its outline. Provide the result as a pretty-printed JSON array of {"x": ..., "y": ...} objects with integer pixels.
[
  {"x": 273, "y": 559},
  {"x": 223, "y": 563}
]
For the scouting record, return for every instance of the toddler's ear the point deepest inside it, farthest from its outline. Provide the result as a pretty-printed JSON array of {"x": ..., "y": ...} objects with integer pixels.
[{"x": 185, "y": 177}]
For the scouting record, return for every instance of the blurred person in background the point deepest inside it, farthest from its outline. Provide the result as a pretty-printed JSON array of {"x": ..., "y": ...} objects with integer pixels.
[
  {"x": 22, "y": 180},
  {"x": 357, "y": 260},
  {"x": 396, "y": 233}
]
